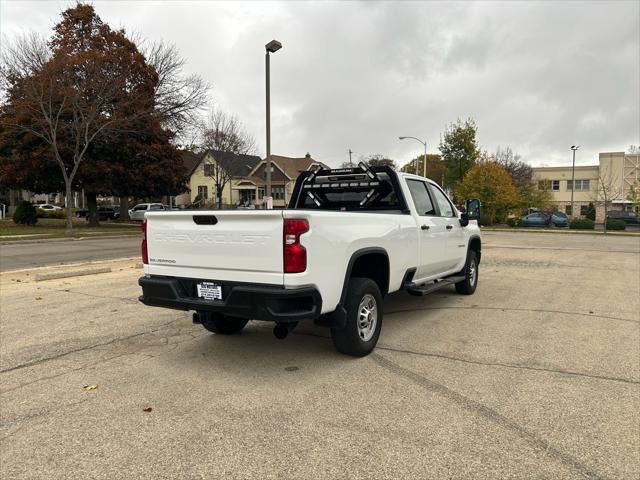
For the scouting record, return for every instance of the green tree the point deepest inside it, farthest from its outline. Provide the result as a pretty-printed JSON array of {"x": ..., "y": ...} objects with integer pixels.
[
  {"x": 491, "y": 183},
  {"x": 591, "y": 212},
  {"x": 459, "y": 149}
]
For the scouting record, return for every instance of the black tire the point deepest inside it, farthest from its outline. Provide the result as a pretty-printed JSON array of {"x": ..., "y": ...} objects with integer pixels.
[
  {"x": 223, "y": 324},
  {"x": 352, "y": 340},
  {"x": 471, "y": 272}
]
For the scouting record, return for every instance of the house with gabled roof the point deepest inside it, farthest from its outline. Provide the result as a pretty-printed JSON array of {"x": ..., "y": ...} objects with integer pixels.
[
  {"x": 284, "y": 172},
  {"x": 202, "y": 178}
]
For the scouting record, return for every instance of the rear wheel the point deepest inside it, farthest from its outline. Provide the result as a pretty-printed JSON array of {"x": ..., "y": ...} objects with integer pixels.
[
  {"x": 468, "y": 285},
  {"x": 364, "y": 319},
  {"x": 222, "y": 324}
]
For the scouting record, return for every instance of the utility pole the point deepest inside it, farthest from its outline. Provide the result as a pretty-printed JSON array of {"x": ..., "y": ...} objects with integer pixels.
[{"x": 350, "y": 162}]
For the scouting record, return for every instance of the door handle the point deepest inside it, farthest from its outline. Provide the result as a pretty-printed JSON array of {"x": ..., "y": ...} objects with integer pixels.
[
  {"x": 449, "y": 227},
  {"x": 425, "y": 227}
]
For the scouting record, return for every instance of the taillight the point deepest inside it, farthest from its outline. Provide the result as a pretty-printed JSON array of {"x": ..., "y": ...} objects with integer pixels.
[
  {"x": 145, "y": 254},
  {"x": 294, "y": 254}
]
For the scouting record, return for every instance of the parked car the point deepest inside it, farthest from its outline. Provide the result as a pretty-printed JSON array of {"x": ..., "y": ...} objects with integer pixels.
[
  {"x": 48, "y": 207},
  {"x": 536, "y": 219},
  {"x": 137, "y": 212},
  {"x": 348, "y": 237},
  {"x": 559, "y": 219},
  {"x": 105, "y": 212},
  {"x": 628, "y": 217}
]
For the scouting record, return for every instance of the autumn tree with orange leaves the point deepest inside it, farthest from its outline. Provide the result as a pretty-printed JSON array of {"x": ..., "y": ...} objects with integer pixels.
[{"x": 88, "y": 104}]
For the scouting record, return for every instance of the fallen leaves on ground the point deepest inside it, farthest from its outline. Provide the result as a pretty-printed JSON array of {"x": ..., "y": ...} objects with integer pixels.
[
  {"x": 147, "y": 408},
  {"x": 90, "y": 387}
]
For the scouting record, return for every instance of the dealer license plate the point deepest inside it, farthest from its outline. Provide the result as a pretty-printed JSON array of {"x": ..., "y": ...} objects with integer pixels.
[{"x": 209, "y": 291}]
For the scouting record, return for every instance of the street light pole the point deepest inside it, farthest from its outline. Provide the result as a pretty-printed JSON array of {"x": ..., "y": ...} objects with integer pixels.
[
  {"x": 424, "y": 163},
  {"x": 573, "y": 176},
  {"x": 271, "y": 47}
]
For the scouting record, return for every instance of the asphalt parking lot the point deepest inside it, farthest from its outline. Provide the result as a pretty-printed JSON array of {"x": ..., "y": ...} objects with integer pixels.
[{"x": 537, "y": 375}]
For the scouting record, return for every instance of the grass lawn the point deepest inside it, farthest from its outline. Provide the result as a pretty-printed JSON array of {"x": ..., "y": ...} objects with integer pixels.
[{"x": 54, "y": 227}]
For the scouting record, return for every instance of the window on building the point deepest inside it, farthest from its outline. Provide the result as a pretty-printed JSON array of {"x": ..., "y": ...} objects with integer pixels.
[
  {"x": 247, "y": 196},
  {"x": 261, "y": 193},
  {"x": 580, "y": 185},
  {"x": 584, "y": 209},
  {"x": 208, "y": 170},
  {"x": 277, "y": 193},
  {"x": 567, "y": 210},
  {"x": 203, "y": 191},
  {"x": 555, "y": 184}
]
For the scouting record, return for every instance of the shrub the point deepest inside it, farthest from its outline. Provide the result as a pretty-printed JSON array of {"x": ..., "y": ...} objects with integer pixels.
[
  {"x": 485, "y": 220},
  {"x": 582, "y": 224},
  {"x": 52, "y": 214},
  {"x": 514, "y": 222},
  {"x": 615, "y": 224},
  {"x": 25, "y": 214},
  {"x": 591, "y": 212}
]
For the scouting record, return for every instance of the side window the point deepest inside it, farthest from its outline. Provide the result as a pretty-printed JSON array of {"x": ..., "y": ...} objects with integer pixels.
[
  {"x": 446, "y": 210},
  {"x": 420, "y": 197},
  {"x": 157, "y": 207}
]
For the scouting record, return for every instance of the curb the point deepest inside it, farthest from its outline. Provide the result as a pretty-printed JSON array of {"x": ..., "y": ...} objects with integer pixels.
[
  {"x": 76, "y": 265},
  {"x": 71, "y": 273},
  {"x": 67, "y": 239}
]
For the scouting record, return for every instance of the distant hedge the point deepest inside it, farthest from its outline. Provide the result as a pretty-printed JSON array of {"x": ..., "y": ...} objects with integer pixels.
[
  {"x": 514, "y": 222},
  {"x": 52, "y": 213},
  {"x": 582, "y": 224},
  {"x": 615, "y": 224},
  {"x": 25, "y": 214}
]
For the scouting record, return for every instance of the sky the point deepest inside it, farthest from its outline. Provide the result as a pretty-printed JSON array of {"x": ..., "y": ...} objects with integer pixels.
[{"x": 536, "y": 76}]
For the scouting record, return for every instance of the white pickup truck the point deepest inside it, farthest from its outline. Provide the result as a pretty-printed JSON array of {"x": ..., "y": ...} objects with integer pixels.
[{"x": 348, "y": 238}]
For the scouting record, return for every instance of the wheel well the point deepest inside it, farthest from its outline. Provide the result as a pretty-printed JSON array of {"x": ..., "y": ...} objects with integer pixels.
[
  {"x": 475, "y": 246},
  {"x": 374, "y": 266}
]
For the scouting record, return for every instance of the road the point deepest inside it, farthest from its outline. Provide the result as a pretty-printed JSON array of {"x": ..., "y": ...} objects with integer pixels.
[
  {"x": 15, "y": 256},
  {"x": 18, "y": 255},
  {"x": 537, "y": 375}
]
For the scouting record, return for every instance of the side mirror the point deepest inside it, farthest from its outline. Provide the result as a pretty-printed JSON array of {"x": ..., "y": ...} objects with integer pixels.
[
  {"x": 473, "y": 209},
  {"x": 464, "y": 219}
]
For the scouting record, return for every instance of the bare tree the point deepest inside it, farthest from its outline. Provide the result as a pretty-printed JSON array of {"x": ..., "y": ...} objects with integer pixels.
[
  {"x": 520, "y": 171},
  {"x": 225, "y": 137},
  {"x": 179, "y": 97},
  {"x": 607, "y": 190}
]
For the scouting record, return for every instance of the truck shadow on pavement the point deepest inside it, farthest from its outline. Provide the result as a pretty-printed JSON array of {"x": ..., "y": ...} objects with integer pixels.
[{"x": 307, "y": 349}]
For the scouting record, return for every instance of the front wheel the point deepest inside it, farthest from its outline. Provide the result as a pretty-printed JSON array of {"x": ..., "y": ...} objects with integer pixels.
[
  {"x": 364, "y": 319},
  {"x": 222, "y": 324},
  {"x": 470, "y": 282}
]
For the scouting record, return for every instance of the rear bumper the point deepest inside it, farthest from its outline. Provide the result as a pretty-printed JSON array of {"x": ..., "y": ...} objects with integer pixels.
[{"x": 245, "y": 300}]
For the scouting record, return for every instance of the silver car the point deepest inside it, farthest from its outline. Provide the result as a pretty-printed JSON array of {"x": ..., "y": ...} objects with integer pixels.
[{"x": 137, "y": 212}]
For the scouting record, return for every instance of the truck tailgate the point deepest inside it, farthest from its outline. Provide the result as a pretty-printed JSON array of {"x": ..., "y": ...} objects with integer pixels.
[{"x": 231, "y": 245}]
